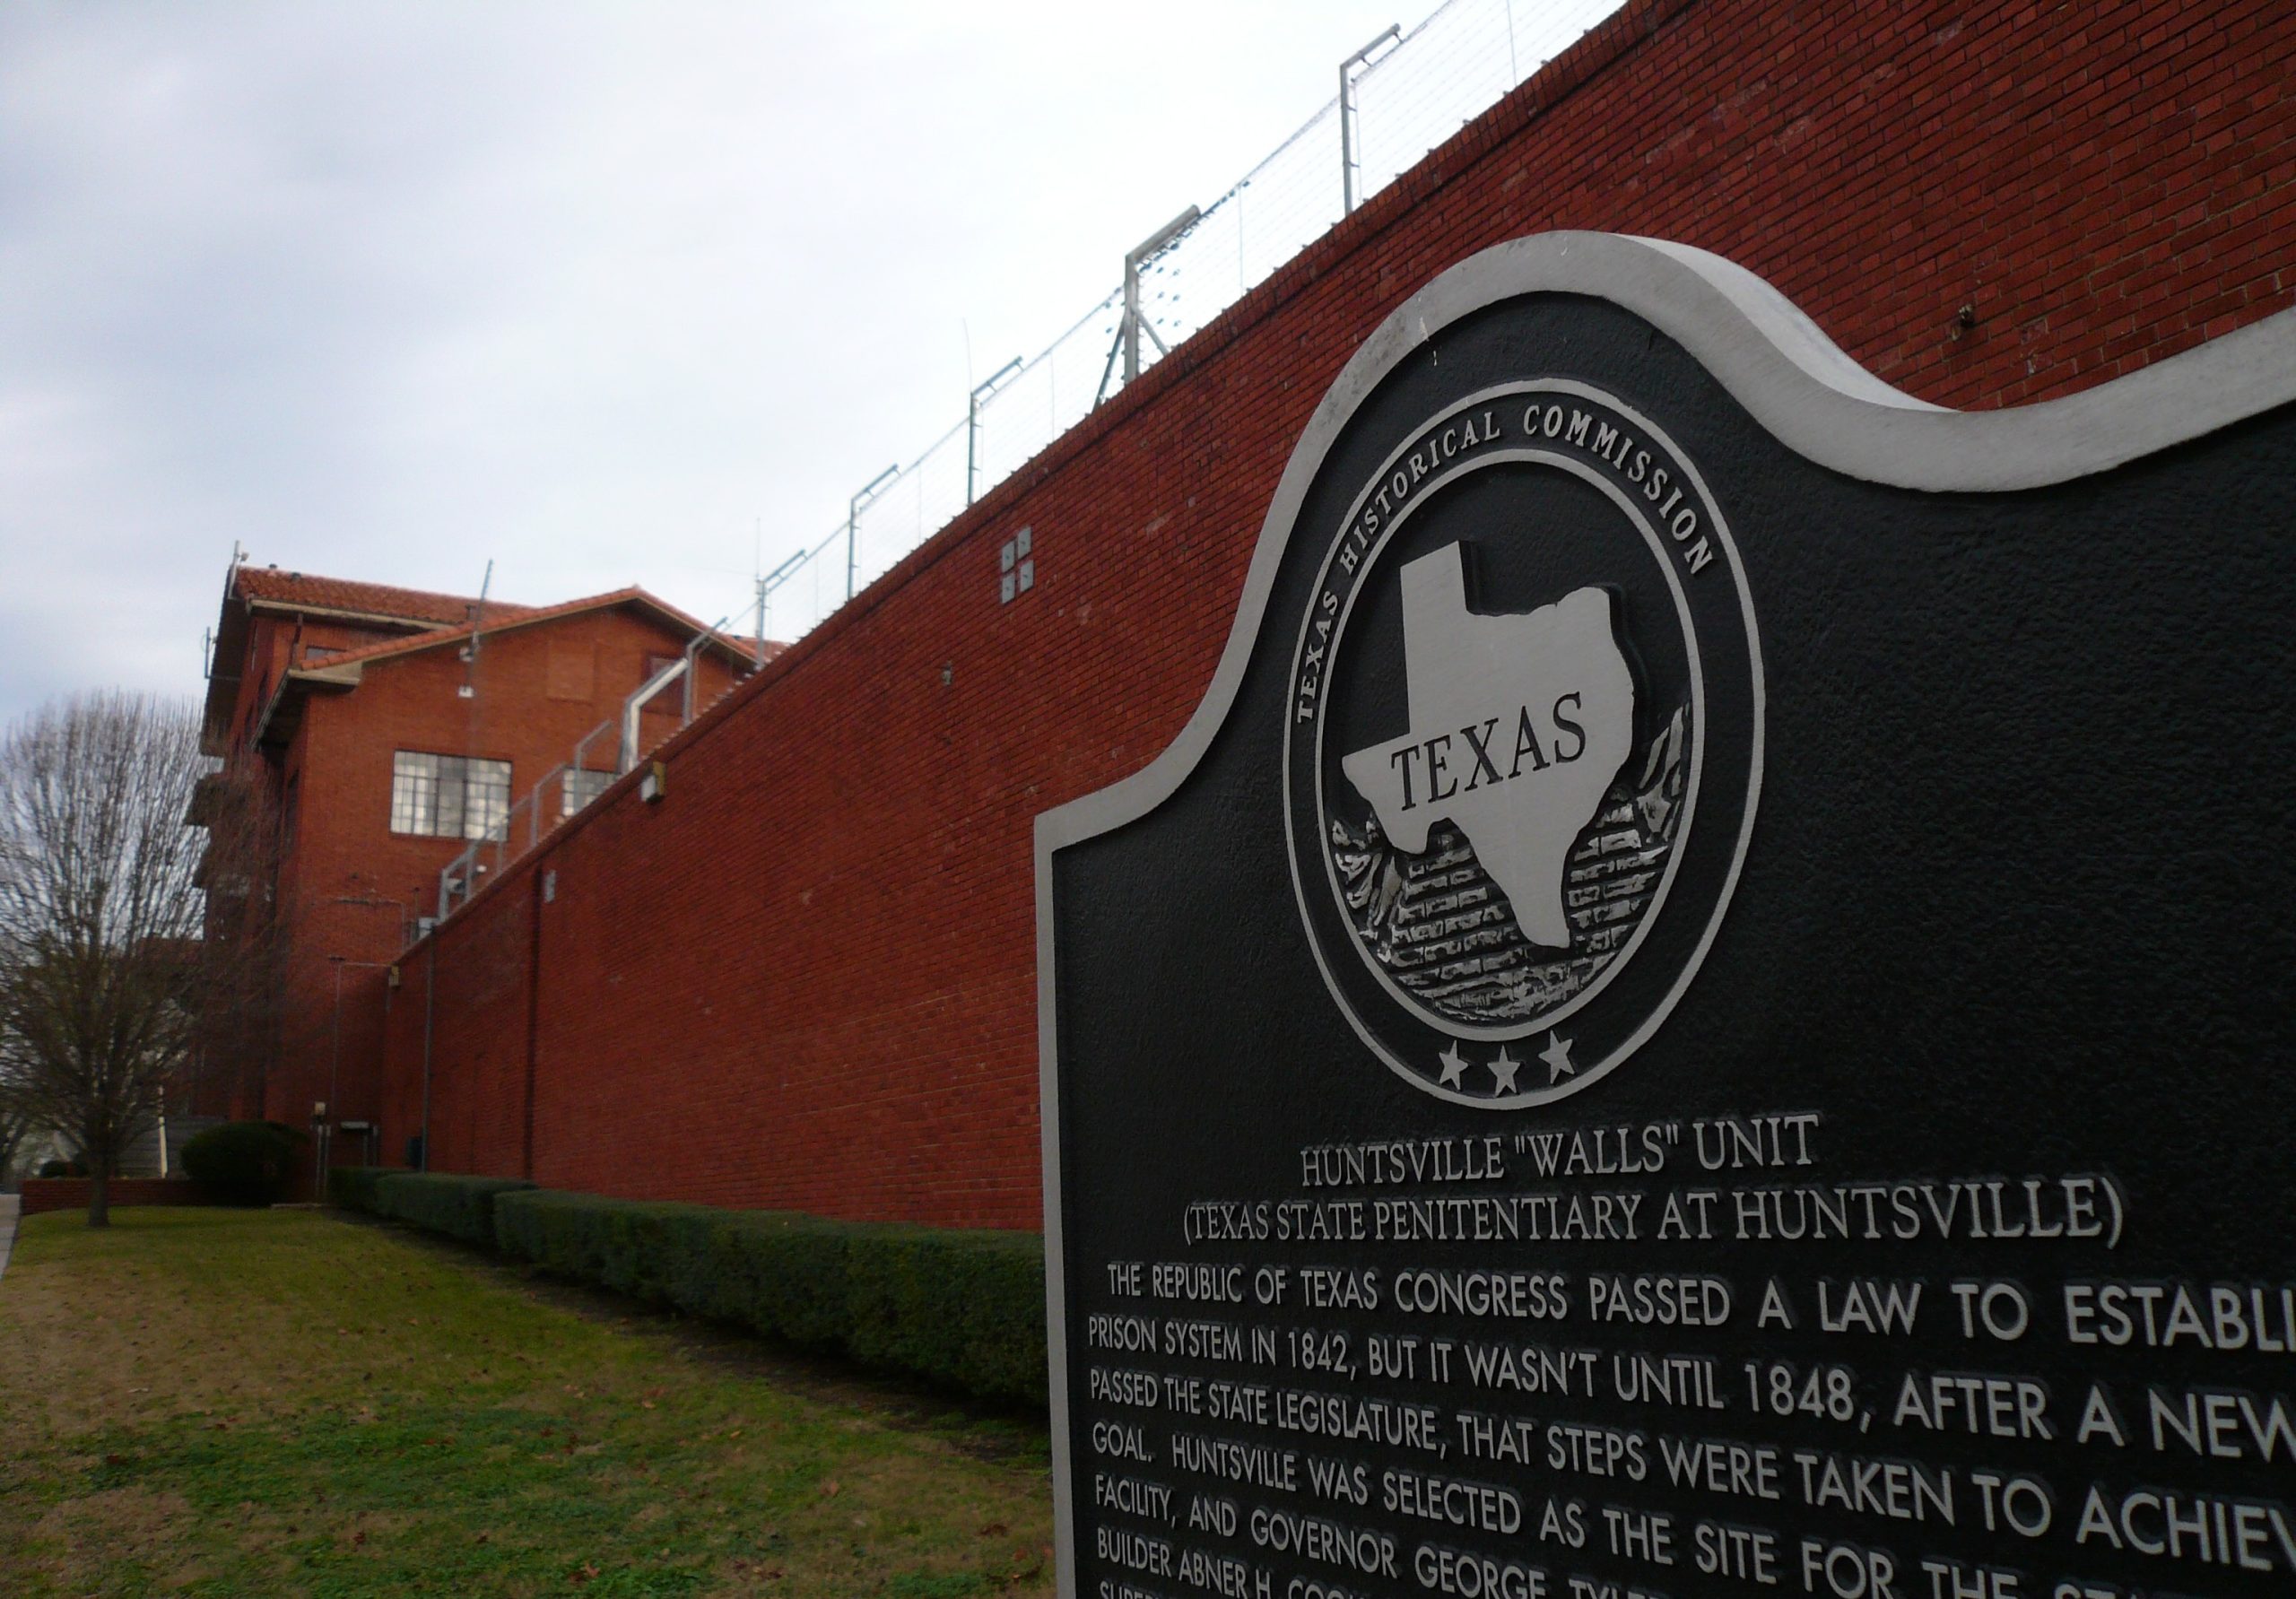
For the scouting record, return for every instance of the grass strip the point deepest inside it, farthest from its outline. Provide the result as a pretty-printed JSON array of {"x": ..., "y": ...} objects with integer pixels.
[{"x": 210, "y": 1402}]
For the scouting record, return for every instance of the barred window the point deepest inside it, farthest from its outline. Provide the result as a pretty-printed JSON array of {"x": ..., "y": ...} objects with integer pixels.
[
  {"x": 450, "y": 796},
  {"x": 579, "y": 789}
]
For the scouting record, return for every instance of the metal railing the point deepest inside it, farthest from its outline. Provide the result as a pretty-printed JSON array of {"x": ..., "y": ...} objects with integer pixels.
[
  {"x": 1399, "y": 97},
  {"x": 524, "y": 825}
]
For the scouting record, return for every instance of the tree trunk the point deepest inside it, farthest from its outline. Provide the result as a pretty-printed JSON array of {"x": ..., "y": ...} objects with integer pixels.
[{"x": 99, "y": 1194}]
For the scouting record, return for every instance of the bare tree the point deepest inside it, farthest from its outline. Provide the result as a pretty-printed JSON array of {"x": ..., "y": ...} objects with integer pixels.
[
  {"x": 243, "y": 965},
  {"x": 16, "y": 1121},
  {"x": 99, "y": 919}
]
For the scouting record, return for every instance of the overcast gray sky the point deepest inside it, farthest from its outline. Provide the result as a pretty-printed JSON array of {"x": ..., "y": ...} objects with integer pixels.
[{"x": 385, "y": 290}]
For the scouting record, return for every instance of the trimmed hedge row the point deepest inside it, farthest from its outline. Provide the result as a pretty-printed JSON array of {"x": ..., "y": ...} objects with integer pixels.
[
  {"x": 966, "y": 1308},
  {"x": 461, "y": 1207},
  {"x": 961, "y": 1308},
  {"x": 776, "y": 1273},
  {"x": 353, "y": 1187}
]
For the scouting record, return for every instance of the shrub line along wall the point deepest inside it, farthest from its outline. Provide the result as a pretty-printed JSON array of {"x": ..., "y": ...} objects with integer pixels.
[
  {"x": 803, "y": 978},
  {"x": 961, "y": 1309}
]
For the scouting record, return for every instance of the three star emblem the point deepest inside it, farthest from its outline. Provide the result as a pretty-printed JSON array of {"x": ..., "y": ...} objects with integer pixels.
[{"x": 1504, "y": 1067}]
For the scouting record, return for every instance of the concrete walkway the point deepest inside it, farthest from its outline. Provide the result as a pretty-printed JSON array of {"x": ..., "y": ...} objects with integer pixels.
[{"x": 9, "y": 1206}]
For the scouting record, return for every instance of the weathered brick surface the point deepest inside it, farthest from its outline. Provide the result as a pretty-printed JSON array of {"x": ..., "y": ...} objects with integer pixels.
[
  {"x": 805, "y": 977},
  {"x": 71, "y": 1193},
  {"x": 348, "y": 884}
]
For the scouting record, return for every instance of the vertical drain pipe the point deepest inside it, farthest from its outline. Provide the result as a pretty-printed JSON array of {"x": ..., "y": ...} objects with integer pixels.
[
  {"x": 545, "y": 889},
  {"x": 429, "y": 1014}
]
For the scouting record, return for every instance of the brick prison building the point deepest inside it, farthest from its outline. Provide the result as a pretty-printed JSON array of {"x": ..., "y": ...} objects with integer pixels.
[
  {"x": 370, "y": 736},
  {"x": 797, "y": 968}
]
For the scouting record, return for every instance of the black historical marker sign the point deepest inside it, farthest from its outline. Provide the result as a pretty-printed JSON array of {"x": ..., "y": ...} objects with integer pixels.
[{"x": 1704, "y": 1006}]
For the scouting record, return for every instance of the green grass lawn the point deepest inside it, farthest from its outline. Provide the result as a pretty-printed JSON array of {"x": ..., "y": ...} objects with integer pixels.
[{"x": 235, "y": 1403}]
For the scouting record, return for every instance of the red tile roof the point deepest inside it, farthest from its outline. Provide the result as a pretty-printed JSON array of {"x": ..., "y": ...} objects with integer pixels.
[
  {"x": 272, "y": 586},
  {"x": 432, "y": 620},
  {"x": 521, "y": 616}
]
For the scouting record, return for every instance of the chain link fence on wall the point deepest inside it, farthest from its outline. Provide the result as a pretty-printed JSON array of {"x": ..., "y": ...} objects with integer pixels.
[{"x": 1408, "y": 95}]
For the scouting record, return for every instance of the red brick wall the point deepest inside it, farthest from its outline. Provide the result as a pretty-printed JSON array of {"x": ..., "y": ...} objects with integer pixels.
[
  {"x": 805, "y": 977},
  {"x": 71, "y": 1193},
  {"x": 396, "y": 1102},
  {"x": 349, "y": 884},
  {"x": 478, "y": 1109}
]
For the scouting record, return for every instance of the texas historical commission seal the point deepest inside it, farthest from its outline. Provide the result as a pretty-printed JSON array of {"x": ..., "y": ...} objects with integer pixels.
[{"x": 1523, "y": 742}]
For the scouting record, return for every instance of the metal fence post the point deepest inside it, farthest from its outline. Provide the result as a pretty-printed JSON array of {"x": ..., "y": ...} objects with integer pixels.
[
  {"x": 972, "y": 422},
  {"x": 1349, "y": 161},
  {"x": 853, "y": 508}
]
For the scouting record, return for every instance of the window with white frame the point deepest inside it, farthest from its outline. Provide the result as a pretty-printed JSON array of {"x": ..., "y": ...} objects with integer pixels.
[
  {"x": 450, "y": 796},
  {"x": 578, "y": 788}
]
